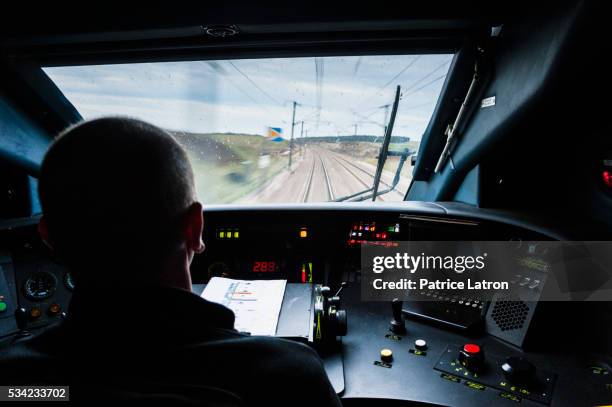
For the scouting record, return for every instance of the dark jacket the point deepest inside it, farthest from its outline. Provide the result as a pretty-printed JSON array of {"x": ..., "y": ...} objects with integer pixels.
[{"x": 160, "y": 345}]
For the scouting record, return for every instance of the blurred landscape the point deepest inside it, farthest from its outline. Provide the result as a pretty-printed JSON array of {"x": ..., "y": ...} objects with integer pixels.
[{"x": 231, "y": 166}]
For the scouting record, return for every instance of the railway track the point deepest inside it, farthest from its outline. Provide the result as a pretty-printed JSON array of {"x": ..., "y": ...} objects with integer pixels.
[
  {"x": 319, "y": 171},
  {"x": 364, "y": 171},
  {"x": 308, "y": 190},
  {"x": 309, "y": 181}
]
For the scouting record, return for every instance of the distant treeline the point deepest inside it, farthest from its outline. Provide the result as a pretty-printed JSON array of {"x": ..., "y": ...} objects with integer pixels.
[{"x": 351, "y": 139}]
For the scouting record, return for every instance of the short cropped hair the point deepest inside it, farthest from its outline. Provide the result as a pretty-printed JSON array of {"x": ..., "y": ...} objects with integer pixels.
[{"x": 113, "y": 191}]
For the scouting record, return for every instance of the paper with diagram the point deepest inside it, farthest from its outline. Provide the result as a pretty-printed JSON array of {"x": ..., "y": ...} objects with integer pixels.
[{"x": 256, "y": 303}]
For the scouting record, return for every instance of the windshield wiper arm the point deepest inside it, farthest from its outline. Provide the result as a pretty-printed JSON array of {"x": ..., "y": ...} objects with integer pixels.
[{"x": 382, "y": 157}]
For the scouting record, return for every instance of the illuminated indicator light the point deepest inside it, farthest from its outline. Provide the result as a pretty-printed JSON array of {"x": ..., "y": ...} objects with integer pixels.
[
  {"x": 383, "y": 235},
  {"x": 354, "y": 227},
  {"x": 360, "y": 227},
  {"x": 373, "y": 228},
  {"x": 236, "y": 235},
  {"x": 221, "y": 235},
  {"x": 390, "y": 229},
  {"x": 378, "y": 235},
  {"x": 3, "y": 306},
  {"x": 359, "y": 234},
  {"x": 354, "y": 234},
  {"x": 367, "y": 227},
  {"x": 35, "y": 313},
  {"x": 55, "y": 309},
  {"x": 303, "y": 233},
  {"x": 471, "y": 348},
  {"x": 352, "y": 241},
  {"x": 607, "y": 178},
  {"x": 303, "y": 273},
  {"x": 396, "y": 229},
  {"x": 310, "y": 272}
]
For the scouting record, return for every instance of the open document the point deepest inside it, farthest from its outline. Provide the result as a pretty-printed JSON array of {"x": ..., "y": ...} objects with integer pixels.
[{"x": 256, "y": 303}]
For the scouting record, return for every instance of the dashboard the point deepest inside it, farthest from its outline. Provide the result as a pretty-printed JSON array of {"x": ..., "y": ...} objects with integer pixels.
[{"x": 320, "y": 244}]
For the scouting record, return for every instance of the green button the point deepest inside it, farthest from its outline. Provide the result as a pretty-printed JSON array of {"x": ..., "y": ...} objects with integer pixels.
[{"x": 3, "y": 306}]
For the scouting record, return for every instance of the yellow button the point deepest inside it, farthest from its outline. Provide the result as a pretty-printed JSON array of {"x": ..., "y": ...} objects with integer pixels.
[{"x": 386, "y": 355}]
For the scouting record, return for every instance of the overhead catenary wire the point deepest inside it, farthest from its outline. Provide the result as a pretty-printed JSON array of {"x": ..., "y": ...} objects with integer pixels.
[
  {"x": 424, "y": 86},
  {"x": 390, "y": 81},
  {"x": 220, "y": 70},
  {"x": 423, "y": 78},
  {"x": 254, "y": 83}
]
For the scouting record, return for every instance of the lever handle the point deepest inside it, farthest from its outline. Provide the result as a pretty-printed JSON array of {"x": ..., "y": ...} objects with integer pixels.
[
  {"x": 21, "y": 317},
  {"x": 398, "y": 325},
  {"x": 342, "y": 286}
]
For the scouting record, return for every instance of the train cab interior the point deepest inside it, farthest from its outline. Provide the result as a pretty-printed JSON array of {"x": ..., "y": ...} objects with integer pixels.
[{"x": 317, "y": 129}]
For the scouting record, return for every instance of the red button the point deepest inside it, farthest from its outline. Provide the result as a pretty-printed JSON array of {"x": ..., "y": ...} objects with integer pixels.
[{"x": 471, "y": 348}]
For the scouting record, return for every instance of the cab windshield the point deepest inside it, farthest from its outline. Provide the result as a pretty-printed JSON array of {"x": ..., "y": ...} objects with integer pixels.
[{"x": 277, "y": 130}]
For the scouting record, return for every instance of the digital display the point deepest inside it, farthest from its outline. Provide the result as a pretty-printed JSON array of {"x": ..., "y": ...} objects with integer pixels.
[{"x": 264, "y": 267}]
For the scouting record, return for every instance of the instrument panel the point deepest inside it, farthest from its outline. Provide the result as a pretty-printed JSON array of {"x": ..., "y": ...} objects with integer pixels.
[
  {"x": 323, "y": 247},
  {"x": 301, "y": 245}
]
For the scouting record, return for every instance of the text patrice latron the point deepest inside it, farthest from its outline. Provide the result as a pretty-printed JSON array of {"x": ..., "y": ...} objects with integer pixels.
[{"x": 423, "y": 283}]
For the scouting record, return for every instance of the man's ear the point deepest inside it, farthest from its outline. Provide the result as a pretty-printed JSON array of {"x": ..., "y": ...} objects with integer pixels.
[
  {"x": 195, "y": 227},
  {"x": 44, "y": 232}
]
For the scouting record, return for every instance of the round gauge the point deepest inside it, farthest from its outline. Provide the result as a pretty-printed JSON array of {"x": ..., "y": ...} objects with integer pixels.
[
  {"x": 68, "y": 281},
  {"x": 219, "y": 269},
  {"x": 39, "y": 286}
]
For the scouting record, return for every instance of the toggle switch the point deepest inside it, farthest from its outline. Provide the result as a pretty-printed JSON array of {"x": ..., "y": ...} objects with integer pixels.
[
  {"x": 398, "y": 325},
  {"x": 519, "y": 371}
]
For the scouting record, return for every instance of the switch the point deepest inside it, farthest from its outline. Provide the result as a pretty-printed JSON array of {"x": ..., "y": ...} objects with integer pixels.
[
  {"x": 534, "y": 284},
  {"x": 398, "y": 325},
  {"x": 420, "y": 344},
  {"x": 386, "y": 355},
  {"x": 471, "y": 357},
  {"x": 524, "y": 281},
  {"x": 519, "y": 371}
]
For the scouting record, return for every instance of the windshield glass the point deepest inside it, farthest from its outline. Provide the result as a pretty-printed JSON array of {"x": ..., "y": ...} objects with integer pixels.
[{"x": 275, "y": 130}]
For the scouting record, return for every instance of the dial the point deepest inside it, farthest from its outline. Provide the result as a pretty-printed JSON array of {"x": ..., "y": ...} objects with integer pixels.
[
  {"x": 68, "y": 281},
  {"x": 39, "y": 286}
]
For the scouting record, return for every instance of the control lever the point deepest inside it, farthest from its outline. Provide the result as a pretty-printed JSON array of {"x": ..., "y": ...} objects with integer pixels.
[
  {"x": 330, "y": 319},
  {"x": 518, "y": 370},
  {"x": 342, "y": 286},
  {"x": 21, "y": 317},
  {"x": 335, "y": 300},
  {"x": 398, "y": 325}
]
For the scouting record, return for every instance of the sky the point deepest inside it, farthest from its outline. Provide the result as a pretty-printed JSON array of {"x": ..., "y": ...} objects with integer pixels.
[{"x": 334, "y": 94}]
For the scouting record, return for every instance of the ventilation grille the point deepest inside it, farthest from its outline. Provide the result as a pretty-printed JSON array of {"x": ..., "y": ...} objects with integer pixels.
[{"x": 509, "y": 314}]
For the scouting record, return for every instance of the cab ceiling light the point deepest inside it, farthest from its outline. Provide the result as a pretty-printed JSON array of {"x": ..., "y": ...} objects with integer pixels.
[{"x": 221, "y": 31}]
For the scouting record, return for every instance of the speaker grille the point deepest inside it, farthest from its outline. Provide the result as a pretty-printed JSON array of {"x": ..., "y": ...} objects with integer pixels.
[{"x": 509, "y": 314}]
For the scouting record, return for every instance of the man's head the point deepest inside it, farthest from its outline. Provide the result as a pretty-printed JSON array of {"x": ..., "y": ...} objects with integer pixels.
[{"x": 118, "y": 198}]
